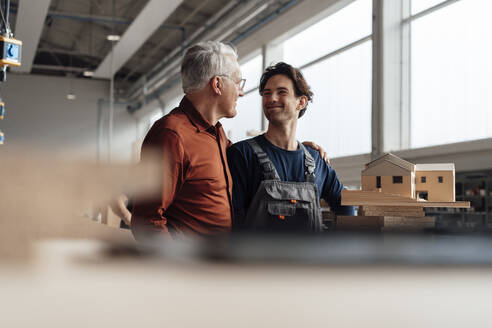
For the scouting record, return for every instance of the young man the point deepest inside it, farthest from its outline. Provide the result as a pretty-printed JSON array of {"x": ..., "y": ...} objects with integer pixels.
[
  {"x": 278, "y": 181},
  {"x": 191, "y": 146}
]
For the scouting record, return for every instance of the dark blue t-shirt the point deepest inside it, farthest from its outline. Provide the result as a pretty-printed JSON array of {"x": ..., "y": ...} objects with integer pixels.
[{"x": 247, "y": 176}]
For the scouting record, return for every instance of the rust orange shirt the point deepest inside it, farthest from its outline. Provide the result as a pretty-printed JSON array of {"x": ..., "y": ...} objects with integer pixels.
[{"x": 196, "y": 182}]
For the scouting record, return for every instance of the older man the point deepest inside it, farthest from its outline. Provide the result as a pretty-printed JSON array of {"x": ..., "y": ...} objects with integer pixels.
[{"x": 196, "y": 183}]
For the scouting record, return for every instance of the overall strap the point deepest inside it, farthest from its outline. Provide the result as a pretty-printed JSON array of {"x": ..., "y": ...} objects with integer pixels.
[
  {"x": 309, "y": 164},
  {"x": 267, "y": 168}
]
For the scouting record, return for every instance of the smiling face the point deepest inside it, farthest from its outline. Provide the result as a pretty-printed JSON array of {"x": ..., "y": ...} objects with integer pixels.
[{"x": 280, "y": 104}]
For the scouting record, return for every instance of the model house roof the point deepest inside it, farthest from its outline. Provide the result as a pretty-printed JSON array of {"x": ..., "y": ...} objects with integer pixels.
[
  {"x": 393, "y": 159},
  {"x": 435, "y": 167}
]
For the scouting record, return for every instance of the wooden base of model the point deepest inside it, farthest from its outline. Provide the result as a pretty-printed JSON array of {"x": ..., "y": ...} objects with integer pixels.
[
  {"x": 375, "y": 198},
  {"x": 387, "y": 218},
  {"x": 380, "y": 211}
]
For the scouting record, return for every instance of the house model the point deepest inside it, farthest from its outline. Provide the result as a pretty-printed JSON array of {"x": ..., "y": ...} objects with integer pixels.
[
  {"x": 393, "y": 175},
  {"x": 394, "y": 194}
]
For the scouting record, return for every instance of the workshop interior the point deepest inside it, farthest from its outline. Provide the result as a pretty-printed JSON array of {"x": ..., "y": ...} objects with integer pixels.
[{"x": 402, "y": 106}]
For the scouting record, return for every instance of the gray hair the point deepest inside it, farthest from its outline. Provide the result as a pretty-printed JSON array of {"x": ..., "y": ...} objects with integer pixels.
[{"x": 203, "y": 61}]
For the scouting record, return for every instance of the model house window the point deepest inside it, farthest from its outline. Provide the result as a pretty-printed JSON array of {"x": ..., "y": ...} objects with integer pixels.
[
  {"x": 423, "y": 195},
  {"x": 378, "y": 182},
  {"x": 397, "y": 179},
  {"x": 423, "y": 179},
  {"x": 440, "y": 179}
]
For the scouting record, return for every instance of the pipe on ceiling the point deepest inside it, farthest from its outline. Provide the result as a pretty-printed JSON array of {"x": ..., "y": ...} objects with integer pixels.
[{"x": 262, "y": 22}]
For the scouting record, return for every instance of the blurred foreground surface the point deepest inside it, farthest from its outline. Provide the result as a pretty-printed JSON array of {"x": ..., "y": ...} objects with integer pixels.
[
  {"x": 84, "y": 283},
  {"x": 60, "y": 269}
]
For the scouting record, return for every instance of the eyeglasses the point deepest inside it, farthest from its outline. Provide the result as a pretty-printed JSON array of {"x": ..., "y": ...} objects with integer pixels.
[{"x": 240, "y": 84}]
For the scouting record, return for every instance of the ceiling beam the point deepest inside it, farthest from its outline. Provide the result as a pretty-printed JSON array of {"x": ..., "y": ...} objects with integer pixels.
[
  {"x": 28, "y": 28},
  {"x": 142, "y": 28},
  {"x": 103, "y": 19},
  {"x": 89, "y": 17},
  {"x": 60, "y": 68},
  {"x": 67, "y": 52}
]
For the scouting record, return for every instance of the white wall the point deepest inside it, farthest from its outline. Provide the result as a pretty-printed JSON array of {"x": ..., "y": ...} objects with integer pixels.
[
  {"x": 168, "y": 100},
  {"x": 40, "y": 118}
]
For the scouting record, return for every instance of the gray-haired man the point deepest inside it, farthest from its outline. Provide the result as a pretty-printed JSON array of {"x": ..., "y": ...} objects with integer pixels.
[{"x": 196, "y": 182}]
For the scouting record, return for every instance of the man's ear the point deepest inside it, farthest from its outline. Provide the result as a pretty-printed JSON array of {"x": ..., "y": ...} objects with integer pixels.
[
  {"x": 216, "y": 85},
  {"x": 302, "y": 102}
]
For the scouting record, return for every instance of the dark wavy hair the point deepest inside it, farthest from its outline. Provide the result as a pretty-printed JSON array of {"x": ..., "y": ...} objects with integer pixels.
[{"x": 301, "y": 88}]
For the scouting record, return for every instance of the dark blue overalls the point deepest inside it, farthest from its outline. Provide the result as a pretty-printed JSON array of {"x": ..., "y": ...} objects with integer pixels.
[{"x": 283, "y": 205}]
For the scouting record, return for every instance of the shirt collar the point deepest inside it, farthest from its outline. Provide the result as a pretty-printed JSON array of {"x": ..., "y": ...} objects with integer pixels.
[{"x": 198, "y": 121}]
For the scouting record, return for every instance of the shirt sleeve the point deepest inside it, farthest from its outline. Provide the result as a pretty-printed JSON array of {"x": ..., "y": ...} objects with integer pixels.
[
  {"x": 148, "y": 219},
  {"x": 332, "y": 193}
]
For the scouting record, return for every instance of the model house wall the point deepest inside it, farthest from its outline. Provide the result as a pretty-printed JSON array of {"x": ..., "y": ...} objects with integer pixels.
[
  {"x": 392, "y": 175},
  {"x": 405, "y": 188},
  {"x": 435, "y": 182}
]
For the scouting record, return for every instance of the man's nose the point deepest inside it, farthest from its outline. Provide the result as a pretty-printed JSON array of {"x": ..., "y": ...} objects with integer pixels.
[{"x": 241, "y": 92}]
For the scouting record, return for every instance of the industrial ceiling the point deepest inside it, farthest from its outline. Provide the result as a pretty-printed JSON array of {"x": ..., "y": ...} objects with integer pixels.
[{"x": 72, "y": 36}]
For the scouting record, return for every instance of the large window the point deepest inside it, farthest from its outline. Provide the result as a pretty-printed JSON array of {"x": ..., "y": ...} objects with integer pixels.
[
  {"x": 421, "y": 5},
  {"x": 340, "y": 29},
  {"x": 248, "y": 119},
  {"x": 451, "y": 68},
  {"x": 251, "y": 71},
  {"x": 339, "y": 119},
  {"x": 247, "y": 122},
  {"x": 335, "y": 57}
]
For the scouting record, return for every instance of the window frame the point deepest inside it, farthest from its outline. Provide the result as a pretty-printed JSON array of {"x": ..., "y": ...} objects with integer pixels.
[{"x": 335, "y": 52}]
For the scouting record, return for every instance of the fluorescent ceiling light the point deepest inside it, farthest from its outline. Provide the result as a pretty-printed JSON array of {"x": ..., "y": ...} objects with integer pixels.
[
  {"x": 88, "y": 73},
  {"x": 113, "y": 37},
  {"x": 71, "y": 96}
]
